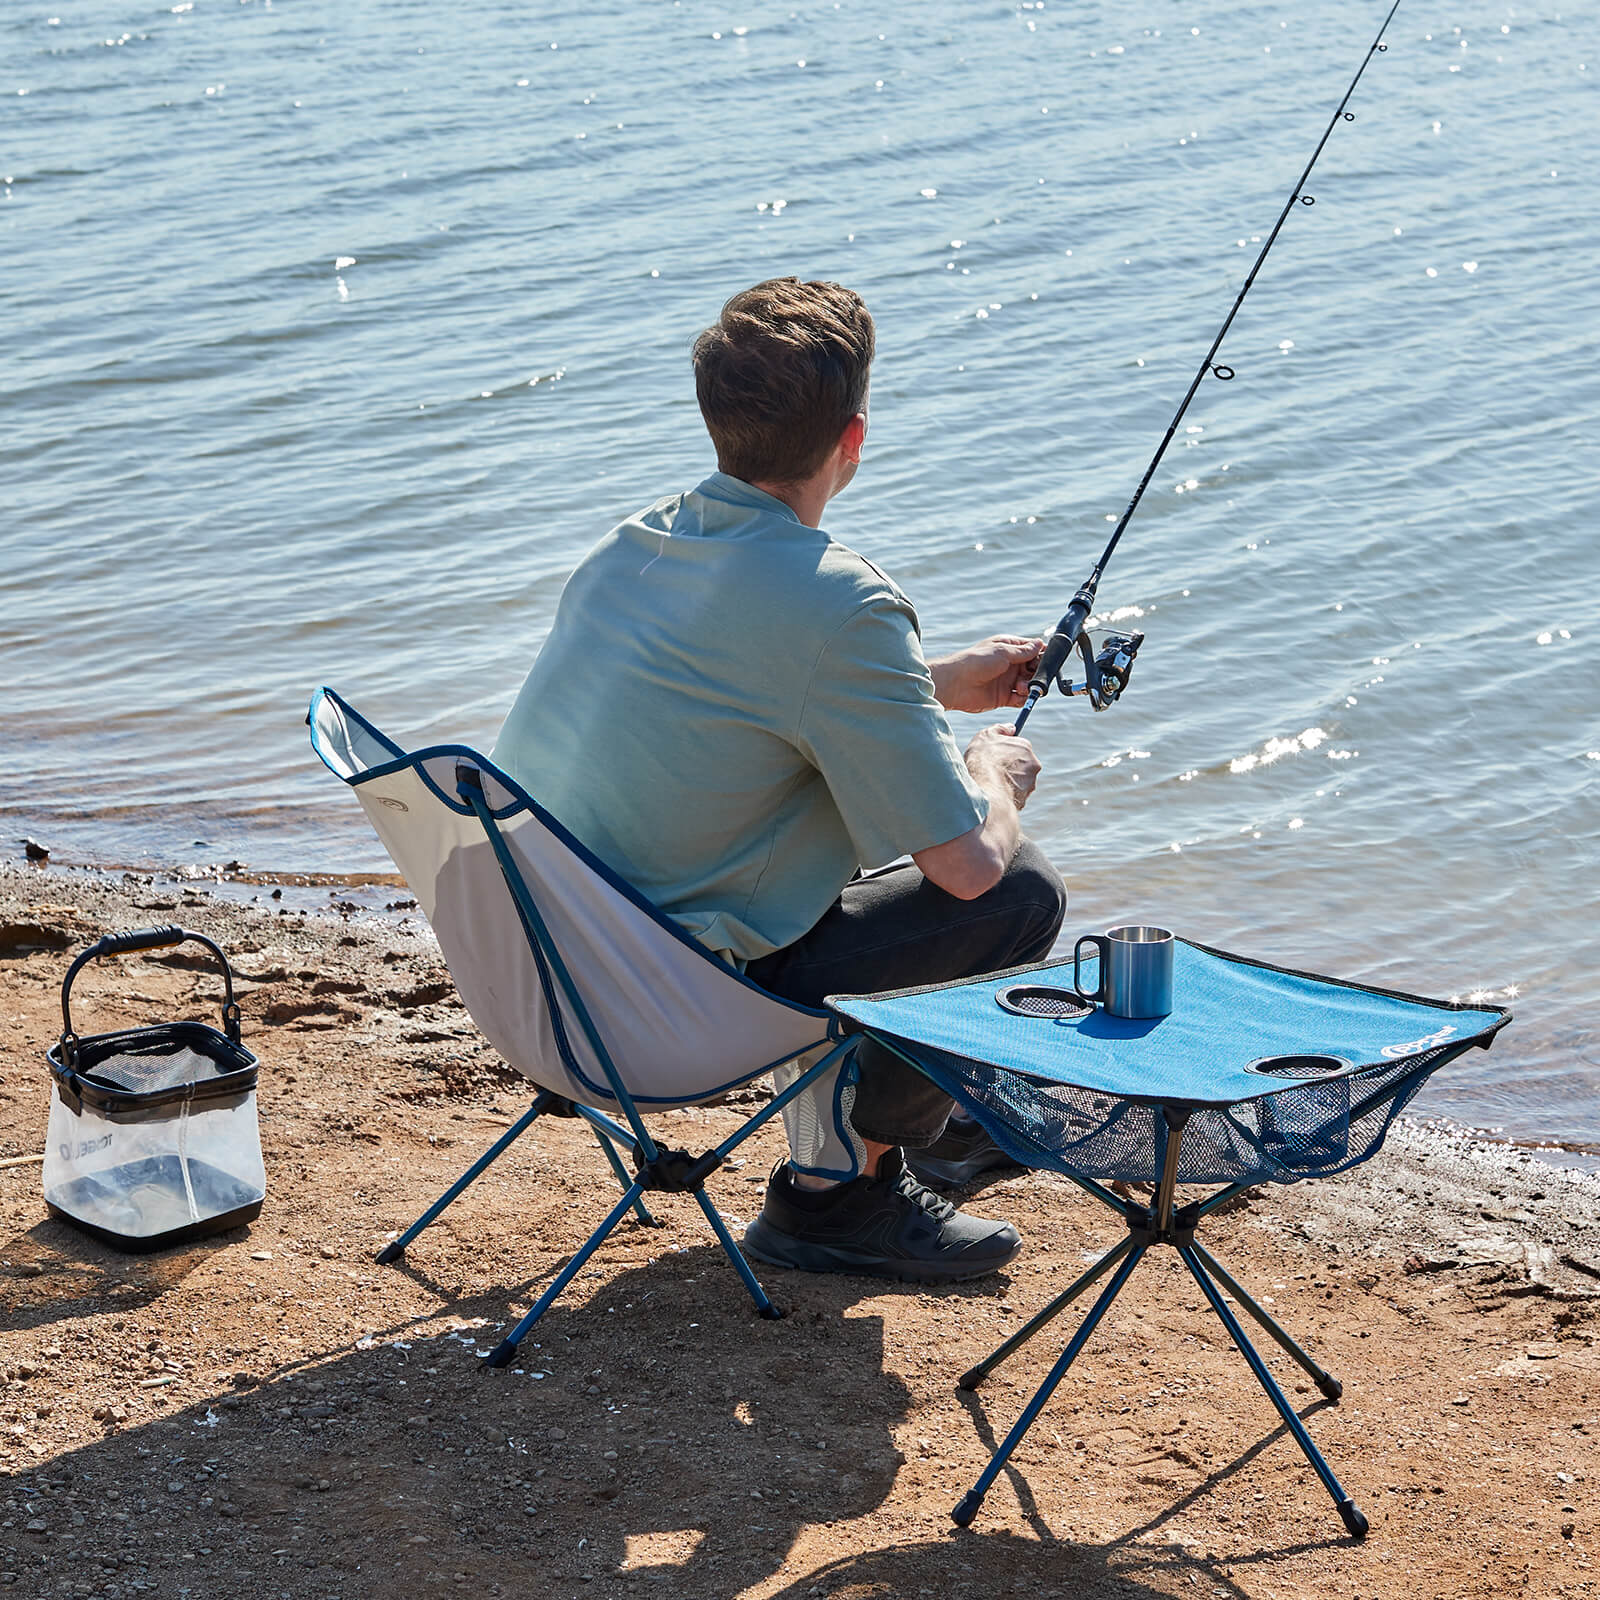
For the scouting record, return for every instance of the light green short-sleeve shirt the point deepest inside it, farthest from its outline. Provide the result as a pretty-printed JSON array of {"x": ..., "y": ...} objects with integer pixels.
[{"x": 733, "y": 712}]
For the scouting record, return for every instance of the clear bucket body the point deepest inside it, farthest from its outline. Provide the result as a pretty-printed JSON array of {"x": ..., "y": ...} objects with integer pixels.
[{"x": 149, "y": 1178}]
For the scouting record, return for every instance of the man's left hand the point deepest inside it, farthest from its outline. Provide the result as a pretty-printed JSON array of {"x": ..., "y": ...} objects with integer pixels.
[{"x": 987, "y": 676}]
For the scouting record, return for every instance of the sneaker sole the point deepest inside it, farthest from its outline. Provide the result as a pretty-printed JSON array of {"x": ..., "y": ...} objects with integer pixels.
[{"x": 779, "y": 1250}]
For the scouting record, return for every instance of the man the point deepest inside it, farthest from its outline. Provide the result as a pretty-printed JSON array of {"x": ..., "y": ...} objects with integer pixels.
[{"x": 734, "y": 712}]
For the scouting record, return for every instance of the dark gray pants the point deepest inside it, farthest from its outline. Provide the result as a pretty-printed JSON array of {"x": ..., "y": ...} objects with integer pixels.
[{"x": 898, "y": 931}]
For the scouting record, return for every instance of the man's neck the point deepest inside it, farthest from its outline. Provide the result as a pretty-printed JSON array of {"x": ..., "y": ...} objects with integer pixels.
[{"x": 807, "y": 499}]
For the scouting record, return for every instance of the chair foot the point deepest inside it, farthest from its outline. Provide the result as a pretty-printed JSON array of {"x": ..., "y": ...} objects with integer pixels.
[
  {"x": 391, "y": 1252},
  {"x": 1331, "y": 1387},
  {"x": 970, "y": 1379},
  {"x": 772, "y": 1313},
  {"x": 966, "y": 1508},
  {"x": 1354, "y": 1522},
  {"x": 502, "y": 1355}
]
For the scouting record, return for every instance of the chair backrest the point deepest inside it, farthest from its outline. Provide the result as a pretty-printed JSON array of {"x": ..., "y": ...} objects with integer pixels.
[{"x": 679, "y": 1025}]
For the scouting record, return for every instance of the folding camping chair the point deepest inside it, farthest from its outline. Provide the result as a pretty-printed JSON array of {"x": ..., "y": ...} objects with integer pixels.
[
  {"x": 1259, "y": 1074},
  {"x": 585, "y": 987}
]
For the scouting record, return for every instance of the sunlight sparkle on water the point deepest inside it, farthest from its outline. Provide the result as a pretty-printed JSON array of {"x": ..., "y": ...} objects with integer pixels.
[{"x": 1276, "y": 748}]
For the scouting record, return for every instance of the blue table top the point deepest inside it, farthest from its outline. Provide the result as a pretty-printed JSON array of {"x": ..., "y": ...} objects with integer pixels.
[{"x": 1227, "y": 1012}]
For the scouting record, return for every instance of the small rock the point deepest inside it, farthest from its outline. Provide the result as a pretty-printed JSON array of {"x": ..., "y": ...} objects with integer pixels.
[
  {"x": 1543, "y": 1350},
  {"x": 35, "y": 851},
  {"x": 260, "y": 1255},
  {"x": 30, "y": 1269},
  {"x": 555, "y": 1435},
  {"x": 1419, "y": 1263},
  {"x": 38, "y": 1525}
]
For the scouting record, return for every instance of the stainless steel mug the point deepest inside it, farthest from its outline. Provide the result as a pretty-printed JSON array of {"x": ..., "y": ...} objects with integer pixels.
[{"x": 1135, "y": 971}]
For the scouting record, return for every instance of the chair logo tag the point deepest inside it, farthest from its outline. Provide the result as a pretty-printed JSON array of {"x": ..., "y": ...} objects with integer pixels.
[{"x": 392, "y": 803}]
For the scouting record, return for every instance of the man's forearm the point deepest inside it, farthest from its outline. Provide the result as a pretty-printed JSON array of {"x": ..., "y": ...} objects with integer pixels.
[
  {"x": 1002, "y": 828},
  {"x": 1004, "y": 768}
]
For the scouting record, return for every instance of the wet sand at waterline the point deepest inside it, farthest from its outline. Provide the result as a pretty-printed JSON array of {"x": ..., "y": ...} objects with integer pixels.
[{"x": 269, "y": 1413}]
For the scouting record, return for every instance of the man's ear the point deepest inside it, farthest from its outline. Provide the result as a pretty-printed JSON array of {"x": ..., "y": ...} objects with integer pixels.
[{"x": 853, "y": 437}]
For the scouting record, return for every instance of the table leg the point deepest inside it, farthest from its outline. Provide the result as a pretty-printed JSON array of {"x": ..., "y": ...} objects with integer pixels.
[
  {"x": 971, "y": 1378},
  {"x": 1329, "y": 1385},
  {"x": 1354, "y": 1521},
  {"x": 967, "y": 1508}
]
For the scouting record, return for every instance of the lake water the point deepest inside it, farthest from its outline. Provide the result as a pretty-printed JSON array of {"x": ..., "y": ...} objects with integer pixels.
[{"x": 334, "y": 334}]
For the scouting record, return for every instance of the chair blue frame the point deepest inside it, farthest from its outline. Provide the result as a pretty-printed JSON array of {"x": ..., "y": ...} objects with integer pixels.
[{"x": 666, "y": 1171}]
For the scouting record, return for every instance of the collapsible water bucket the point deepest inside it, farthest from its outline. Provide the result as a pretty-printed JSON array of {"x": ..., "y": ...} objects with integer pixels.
[{"x": 153, "y": 1137}]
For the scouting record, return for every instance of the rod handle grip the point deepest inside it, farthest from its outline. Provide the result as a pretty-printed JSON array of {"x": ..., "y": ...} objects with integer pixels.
[{"x": 1059, "y": 647}]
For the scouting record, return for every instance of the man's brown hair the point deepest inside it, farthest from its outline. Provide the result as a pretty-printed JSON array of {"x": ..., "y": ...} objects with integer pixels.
[{"x": 780, "y": 374}]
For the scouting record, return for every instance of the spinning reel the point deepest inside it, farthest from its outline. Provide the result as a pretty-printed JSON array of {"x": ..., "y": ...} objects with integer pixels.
[{"x": 1106, "y": 673}]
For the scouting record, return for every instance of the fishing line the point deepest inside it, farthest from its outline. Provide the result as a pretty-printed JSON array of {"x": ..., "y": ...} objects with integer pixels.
[{"x": 1106, "y": 672}]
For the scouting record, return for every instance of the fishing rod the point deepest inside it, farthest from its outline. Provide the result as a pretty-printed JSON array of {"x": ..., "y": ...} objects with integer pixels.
[{"x": 1106, "y": 672}]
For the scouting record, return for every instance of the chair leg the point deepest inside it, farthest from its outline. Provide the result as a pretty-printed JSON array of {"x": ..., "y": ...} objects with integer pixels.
[
  {"x": 505, "y": 1352},
  {"x": 646, "y": 1217},
  {"x": 967, "y": 1508},
  {"x": 1329, "y": 1385},
  {"x": 1351, "y": 1515},
  {"x": 397, "y": 1247},
  {"x": 973, "y": 1376},
  {"x": 734, "y": 1254}
]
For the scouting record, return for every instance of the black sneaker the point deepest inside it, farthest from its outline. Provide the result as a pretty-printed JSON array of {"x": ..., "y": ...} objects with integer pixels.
[
  {"x": 958, "y": 1155},
  {"x": 887, "y": 1226}
]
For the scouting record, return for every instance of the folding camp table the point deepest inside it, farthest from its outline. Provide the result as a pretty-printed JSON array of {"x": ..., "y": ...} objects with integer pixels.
[{"x": 1259, "y": 1074}]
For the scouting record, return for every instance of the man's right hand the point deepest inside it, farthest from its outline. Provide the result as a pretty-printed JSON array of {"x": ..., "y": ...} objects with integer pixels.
[{"x": 1000, "y": 751}]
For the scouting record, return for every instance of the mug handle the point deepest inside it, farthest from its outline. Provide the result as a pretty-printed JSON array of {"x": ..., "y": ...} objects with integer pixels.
[{"x": 1103, "y": 947}]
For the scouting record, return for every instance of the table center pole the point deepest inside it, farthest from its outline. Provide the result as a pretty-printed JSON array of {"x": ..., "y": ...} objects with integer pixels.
[{"x": 1168, "y": 1188}]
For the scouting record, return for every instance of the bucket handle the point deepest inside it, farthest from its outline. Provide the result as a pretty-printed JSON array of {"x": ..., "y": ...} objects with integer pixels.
[{"x": 118, "y": 944}]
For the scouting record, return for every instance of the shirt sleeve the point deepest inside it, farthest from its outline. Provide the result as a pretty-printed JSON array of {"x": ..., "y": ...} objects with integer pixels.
[{"x": 871, "y": 726}]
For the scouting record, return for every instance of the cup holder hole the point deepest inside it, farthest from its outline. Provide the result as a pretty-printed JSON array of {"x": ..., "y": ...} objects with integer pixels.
[
  {"x": 1299, "y": 1066},
  {"x": 1040, "y": 1000}
]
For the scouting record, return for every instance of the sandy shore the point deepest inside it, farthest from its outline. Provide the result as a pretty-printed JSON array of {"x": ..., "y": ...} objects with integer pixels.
[{"x": 268, "y": 1413}]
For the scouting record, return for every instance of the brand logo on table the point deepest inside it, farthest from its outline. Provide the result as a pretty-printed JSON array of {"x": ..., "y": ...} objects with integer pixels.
[{"x": 1412, "y": 1046}]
